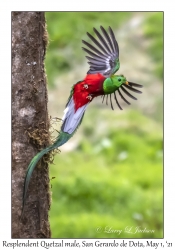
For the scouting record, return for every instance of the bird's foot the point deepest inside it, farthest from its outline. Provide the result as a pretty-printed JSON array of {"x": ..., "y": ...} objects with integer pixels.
[
  {"x": 89, "y": 97},
  {"x": 85, "y": 86}
]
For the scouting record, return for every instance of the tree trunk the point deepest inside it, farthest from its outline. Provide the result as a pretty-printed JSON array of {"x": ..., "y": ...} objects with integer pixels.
[{"x": 30, "y": 124}]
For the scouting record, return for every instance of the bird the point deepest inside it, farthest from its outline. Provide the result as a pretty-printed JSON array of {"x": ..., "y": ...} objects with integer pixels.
[{"x": 100, "y": 80}]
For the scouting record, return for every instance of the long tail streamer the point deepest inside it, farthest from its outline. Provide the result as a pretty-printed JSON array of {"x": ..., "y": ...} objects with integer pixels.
[{"x": 61, "y": 139}]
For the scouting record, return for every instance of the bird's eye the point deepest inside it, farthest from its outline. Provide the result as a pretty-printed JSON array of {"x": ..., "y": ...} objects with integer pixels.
[{"x": 119, "y": 79}]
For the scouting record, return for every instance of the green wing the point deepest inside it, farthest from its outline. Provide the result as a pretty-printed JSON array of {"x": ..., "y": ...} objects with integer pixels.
[{"x": 105, "y": 60}]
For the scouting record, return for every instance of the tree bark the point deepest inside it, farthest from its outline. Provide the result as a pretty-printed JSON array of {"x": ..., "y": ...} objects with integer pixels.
[{"x": 30, "y": 124}]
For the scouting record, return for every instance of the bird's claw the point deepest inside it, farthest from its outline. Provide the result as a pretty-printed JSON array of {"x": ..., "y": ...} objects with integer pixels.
[
  {"x": 85, "y": 86},
  {"x": 89, "y": 97}
]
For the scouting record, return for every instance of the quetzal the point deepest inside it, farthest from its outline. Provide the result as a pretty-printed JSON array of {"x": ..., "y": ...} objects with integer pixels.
[{"x": 99, "y": 81}]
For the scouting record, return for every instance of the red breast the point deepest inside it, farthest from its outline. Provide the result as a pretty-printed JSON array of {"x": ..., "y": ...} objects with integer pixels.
[{"x": 91, "y": 85}]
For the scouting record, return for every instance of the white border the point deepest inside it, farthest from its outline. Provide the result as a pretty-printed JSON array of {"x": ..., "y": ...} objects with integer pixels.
[{"x": 5, "y": 93}]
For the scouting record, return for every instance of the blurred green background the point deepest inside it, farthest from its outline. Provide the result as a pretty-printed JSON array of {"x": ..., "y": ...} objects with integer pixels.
[{"x": 110, "y": 174}]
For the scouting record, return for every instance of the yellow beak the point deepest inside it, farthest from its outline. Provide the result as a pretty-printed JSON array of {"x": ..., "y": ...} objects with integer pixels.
[{"x": 126, "y": 82}]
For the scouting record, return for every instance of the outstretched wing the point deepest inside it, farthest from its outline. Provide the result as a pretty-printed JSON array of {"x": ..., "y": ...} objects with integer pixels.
[{"x": 104, "y": 58}]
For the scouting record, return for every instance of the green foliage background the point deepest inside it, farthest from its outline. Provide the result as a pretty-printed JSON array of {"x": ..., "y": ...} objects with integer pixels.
[{"x": 111, "y": 176}]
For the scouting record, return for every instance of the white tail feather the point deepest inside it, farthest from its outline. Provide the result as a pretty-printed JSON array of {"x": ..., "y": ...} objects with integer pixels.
[{"x": 71, "y": 119}]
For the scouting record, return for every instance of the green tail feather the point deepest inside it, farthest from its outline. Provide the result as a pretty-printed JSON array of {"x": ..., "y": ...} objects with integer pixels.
[{"x": 61, "y": 139}]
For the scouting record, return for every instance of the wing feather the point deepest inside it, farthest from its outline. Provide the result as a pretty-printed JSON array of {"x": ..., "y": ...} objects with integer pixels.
[
  {"x": 108, "y": 39},
  {"x": 93, "y": 48},
  {"x": 104, "y": 56},
  {"x": 102, "y": 40},
  {"x": 96, "y": 42},
  {"x": 114, "y": 41},
  {"x": 94, "y": 55},
  {"x": 95, "y": 60}
]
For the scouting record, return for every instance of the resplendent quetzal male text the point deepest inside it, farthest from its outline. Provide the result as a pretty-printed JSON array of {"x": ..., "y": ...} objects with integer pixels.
[{"x": 99, "y": 81}]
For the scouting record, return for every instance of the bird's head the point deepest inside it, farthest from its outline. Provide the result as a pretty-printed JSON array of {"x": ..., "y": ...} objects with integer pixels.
[
  {"x": 118, "y": 83},
  {"x": 118, "y": 80}
]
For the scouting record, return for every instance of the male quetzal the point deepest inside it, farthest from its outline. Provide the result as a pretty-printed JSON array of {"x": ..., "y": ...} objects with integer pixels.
[{"x": 99, "y": 81}]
